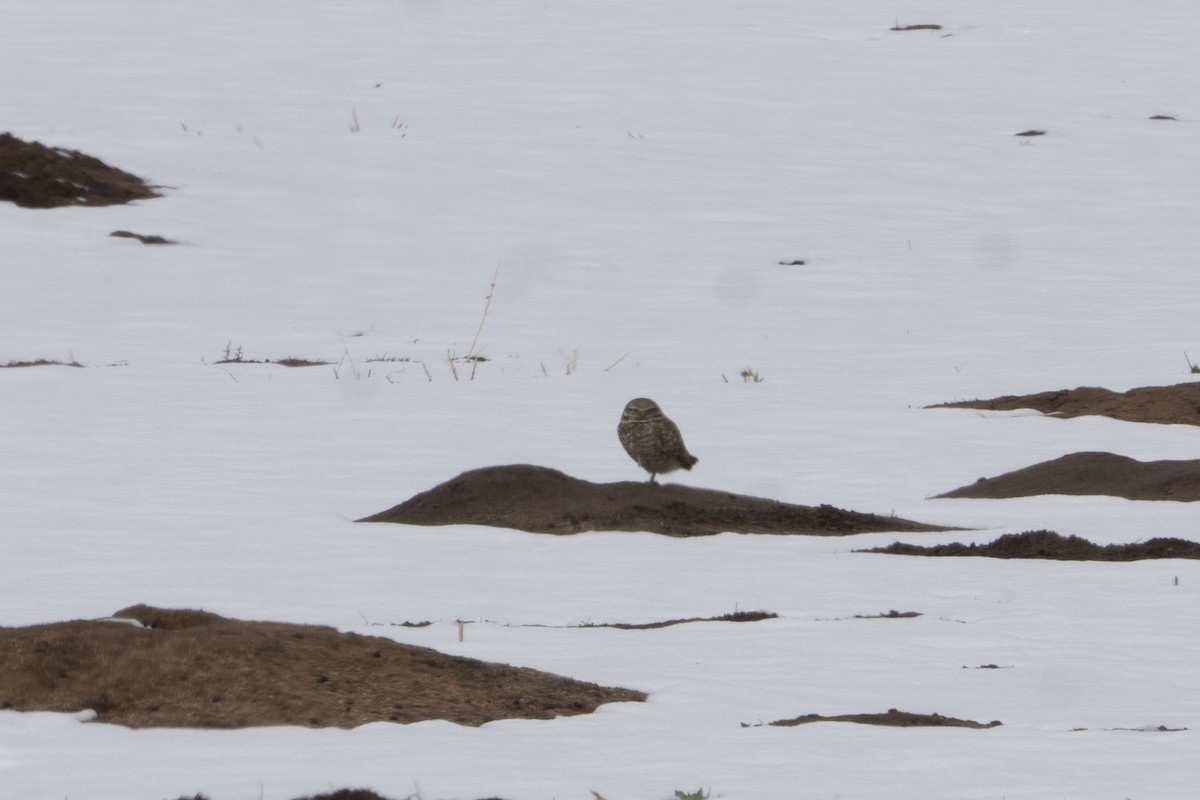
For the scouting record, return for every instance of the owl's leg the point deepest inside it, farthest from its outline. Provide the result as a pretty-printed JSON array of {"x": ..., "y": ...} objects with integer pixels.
[{"x": 652, "y": 479}]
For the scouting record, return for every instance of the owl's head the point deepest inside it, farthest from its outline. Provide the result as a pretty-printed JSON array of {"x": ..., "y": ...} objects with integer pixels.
[{"x": 641, "y": 409}]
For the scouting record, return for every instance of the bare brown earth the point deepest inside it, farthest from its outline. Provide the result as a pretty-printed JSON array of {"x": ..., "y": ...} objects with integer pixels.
[
  {"x": 152, "y": 238},
  {"x": 893, "y": 718},
  {"x": 735, "y": 616},
  {"x": 541, "y": 500},
  {"x": 36, "y": 176},
  {"x": 1053, "y": 546},
  {"x": 195, "y": 669},
  {"x": 340, "y": 794},
  {"x": 41, "y": 362},
  {"x": 1167, "y": 405},
  {"x": 1093, "y": 473}
]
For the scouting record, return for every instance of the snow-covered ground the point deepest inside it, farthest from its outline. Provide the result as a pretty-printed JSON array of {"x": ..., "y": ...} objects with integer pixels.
[{"x": 347, "y": 179}]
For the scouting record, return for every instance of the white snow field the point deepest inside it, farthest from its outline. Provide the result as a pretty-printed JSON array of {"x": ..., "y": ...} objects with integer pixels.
[{"x": 346, "y": 178}]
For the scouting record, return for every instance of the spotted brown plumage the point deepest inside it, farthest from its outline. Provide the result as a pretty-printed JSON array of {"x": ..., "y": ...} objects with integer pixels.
[{"x": 652, "y": 440}]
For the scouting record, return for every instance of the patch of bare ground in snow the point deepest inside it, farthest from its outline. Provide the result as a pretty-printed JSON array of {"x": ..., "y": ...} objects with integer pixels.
[
  {"x": 339, "y": 794},
  {"x": 36, "y": 176},
  {"x": 541, "y": 500},
  {"x": 1091, "y": 474},
  {"x": 39, "y": 362},
  {"x": 734, "y": 616},
  {"x": 1167, "y": 405},
  {"x": 183, "y": 668},
  {"x": 1053, "y": 546},
  {"x": 891, "y": 718}
]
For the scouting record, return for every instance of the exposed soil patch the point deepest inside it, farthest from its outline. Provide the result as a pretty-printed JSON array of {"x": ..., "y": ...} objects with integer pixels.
[
  {"x": 920, "y": 27},
  {"x": 283, "y": 362},
  {"x": 736, "y": 616},
  {"x": 40, "y": 362},
  {"x": 233, "y": 355},
  {"x": 340, "y": 794},
  {"x": 152, "y": 238},
  {"x": 1093, "y": 473},
  {"x": 195, "y": 669},
  {"x": 893, "y": 718},
  {"x": 1051, "y": 545},
  {"x": 1167, "y": 405},
  {"x": 541, "y": 500},
  {"x": 1147, "y": 729},
  {"x": 36, "y": 176},
  {"x": 893, "y": 614}
]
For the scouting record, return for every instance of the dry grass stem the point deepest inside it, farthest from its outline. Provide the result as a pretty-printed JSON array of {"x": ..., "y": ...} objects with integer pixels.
[{"x": 472, "y": 353}]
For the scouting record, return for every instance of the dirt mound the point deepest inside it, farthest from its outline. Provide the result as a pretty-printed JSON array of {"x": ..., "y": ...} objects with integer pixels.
[
  {"x": 1167, "y": 405},
  {"x": 195, "y": 669},
  {"x": 1053, "y": 546},
  {"x": 892, "y": 718},
  {"x": 541, "y": 500},
  {"x": 36, "y": 176},
  {"x": 1093, "y": 473}
]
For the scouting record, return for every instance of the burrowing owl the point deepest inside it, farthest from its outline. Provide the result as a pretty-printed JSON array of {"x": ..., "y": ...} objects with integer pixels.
[{"x": 651, "y": 439}]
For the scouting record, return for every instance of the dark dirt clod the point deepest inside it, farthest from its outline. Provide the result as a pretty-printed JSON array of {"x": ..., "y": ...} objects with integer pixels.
[
  {"x": 541, "y": 500},
  {"x": 1090, "y": 474},
  {"x": 893, "y": 718},
  {"x": 1168, "y": 405},
  {"x": 36, "y": 176},
  {"x": 195, "y": 669},
  {"x": 141, "y": 237},
  {"x": 1052, "y": 546}
]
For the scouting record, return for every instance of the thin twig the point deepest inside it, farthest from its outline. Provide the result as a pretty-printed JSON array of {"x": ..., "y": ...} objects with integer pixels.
[
  {"x": 618, "y": 361},
  {"x": 487, "y": 304},
  {"x": 347, "y": 357}
]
